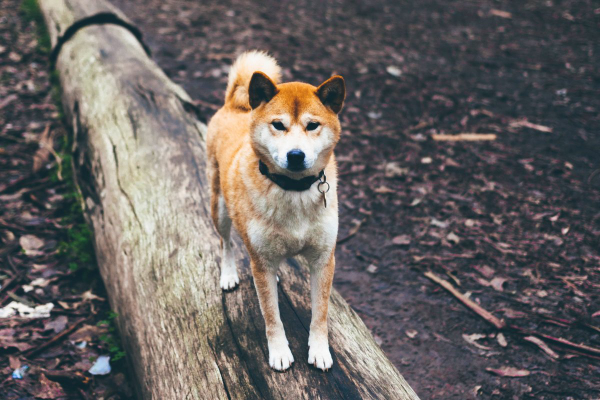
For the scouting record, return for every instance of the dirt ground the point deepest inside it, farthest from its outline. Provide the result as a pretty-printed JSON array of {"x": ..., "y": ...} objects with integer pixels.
[
  {"x": 46, "y": 255},
  {"x": 514, "y": 223}
]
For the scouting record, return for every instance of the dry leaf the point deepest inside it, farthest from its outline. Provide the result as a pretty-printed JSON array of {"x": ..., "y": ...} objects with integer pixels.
[
  {"x": 411, "y": 333},
  {"x": 393, "y": 170},
  {"x": 526, "y": 124},
  {"x": 501, "y": 340},
  {"x": 48, "y": 389},
  {"x": 500, "y": 13},
  {"x": 402, "y": 240},
  {"x": 464, "y": 137},
  {"x": 509, "y": 371},
  {"x": 497, "y": 283},
  {"x": 384, "y": 190},
  {"x": 90, "y": 296},
  {"x": 453, "y": 237},
  {"x": 31, "y": 244},
  {"x": 542, "y": 345},
  {"x": 485, "y": 270},
  {"x": 58, "y": 324},
  {"x": 472, "y": 339}
]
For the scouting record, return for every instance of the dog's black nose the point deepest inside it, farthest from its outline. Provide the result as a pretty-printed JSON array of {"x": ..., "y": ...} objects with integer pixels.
[{"x": 295, "y": 160}]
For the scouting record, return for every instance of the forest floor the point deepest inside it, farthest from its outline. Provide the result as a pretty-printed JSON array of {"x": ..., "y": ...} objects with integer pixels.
[
  {"x": 512, "y": 223},
  {"x": 55, "y": 320}
]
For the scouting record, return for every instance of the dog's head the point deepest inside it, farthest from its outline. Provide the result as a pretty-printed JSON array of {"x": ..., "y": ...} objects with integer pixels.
[{"x": 294, "y": 126}]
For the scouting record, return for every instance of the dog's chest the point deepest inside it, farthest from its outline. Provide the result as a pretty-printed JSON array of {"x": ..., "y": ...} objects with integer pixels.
[{"x": 290, "y": 226}]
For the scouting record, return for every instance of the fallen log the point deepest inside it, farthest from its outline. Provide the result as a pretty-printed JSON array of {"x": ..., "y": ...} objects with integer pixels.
[{"x": 139, "y": 159}]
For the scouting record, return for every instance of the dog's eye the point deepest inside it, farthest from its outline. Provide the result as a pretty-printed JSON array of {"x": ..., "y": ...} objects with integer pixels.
[
  {"x": 278, "y": 125},
  {"x": 312, "y": 126}
]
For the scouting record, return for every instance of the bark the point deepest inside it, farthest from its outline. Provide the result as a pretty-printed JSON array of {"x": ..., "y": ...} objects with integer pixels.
[{"x": 139, "y": 157}]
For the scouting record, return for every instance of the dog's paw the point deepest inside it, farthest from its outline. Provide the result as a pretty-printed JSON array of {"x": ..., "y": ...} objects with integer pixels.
[
  {"x": 319, "y": 356},
  {"x": 229, "y": 281},
  {"x": 280, "y": 357}
]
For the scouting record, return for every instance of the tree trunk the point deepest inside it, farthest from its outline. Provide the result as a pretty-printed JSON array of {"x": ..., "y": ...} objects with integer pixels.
[{"x": 139, "y": 157}]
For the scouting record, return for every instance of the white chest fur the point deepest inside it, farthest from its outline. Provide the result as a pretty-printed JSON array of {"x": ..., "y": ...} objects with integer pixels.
[{"x": 292, "y": 223}]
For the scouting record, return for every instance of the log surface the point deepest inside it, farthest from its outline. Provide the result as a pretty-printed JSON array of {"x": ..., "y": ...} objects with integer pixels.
[{"x": 139, "y": 157}]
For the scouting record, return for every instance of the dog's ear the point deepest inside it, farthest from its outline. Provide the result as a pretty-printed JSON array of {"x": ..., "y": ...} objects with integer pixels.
[
  {"x": 332, "y": 93},
  {"x": 261, "y": 89}
]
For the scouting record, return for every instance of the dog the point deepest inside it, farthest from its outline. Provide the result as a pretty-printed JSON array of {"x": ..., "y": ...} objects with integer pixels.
[{"x": 273, "y": 174}]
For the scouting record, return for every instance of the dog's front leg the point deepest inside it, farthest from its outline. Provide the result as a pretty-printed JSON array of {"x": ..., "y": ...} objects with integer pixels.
[
  {"x": 321, "y": 278},
  {"x": 265, "y": 280}
]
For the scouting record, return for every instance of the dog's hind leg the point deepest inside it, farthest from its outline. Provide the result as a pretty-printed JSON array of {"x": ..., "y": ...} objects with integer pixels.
[{"x": 229, "y": 276}]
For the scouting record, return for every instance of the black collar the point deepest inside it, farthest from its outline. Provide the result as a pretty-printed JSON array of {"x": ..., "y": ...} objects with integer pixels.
[{"x": 287, "y": 183}]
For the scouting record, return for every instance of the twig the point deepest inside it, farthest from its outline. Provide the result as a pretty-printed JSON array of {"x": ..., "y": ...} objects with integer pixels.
[
  {"x": 559, "y": 341},
  {"x": 352, "y": 231},
  {"x": 29, "y": 353},
  {"x": 542, "y": 345},
  {"x": 476, "y": 308},
  {"x": 67, "y": 377},
  {"x": 464, "y": 137},
  {"x": 501, "y": 325}
]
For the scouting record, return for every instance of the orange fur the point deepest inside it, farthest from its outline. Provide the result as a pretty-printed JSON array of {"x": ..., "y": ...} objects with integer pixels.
[{"x": 276, "y": 224}]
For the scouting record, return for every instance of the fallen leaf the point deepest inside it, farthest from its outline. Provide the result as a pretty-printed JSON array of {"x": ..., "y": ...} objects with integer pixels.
[
  {"x": 384, "y": 190},
  {"x": 14, "y": 56},
  {"x": 402, "y": 240},
  {"x": 90, "y": 296},
  {"x": 42, "y": 155},
  {"x": 394, "y": 71},
  {"x": 453, "y": 237},
  {"x": 7, "y": 340},
  {"x": 438, "y": 223},
  {"x": 464, "y": 137},
  {"x": 542, "y": 345},
  {"x": 500, "y": 13},
  {"x": 411, "y": 333},
  {"x": 88, "y": 333},
  {"x": 526, "y": 124},
  {"x": 58, "y": 324},
  {"x": 472, "y": 339},
  {"x": 485, "y": 270},
  {"x": 509, "y": 371},
  {"x": 497, "y": 283},
  {"x": 7, "y": 100},
  {"x": 393, "y": 170},
  {"x": 31, "y": 244},
  {"x": 48, "y": 389},
  {"x": 372, "y": 269},
  {"x": 501, "y": 340}
]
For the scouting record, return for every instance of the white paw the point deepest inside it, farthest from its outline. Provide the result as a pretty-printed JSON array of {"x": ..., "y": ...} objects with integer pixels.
[
  {"x": 229, "y": 280},
  {"x": 319, "y": 356},
  {"x": 280, "y": 357}
]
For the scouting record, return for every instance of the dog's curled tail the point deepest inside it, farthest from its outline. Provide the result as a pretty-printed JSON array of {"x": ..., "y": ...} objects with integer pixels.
[{"x": 241, "y": 72}]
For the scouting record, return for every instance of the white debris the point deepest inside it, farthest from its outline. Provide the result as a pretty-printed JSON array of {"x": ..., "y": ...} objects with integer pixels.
[
  {"x": 393, "y": 70},
  {"x": 101, "y": 366},
  {"x": 42, "y": 311}
]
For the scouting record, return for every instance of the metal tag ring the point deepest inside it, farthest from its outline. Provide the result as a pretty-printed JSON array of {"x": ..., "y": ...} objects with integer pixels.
[{"x": 319, "y": 187}]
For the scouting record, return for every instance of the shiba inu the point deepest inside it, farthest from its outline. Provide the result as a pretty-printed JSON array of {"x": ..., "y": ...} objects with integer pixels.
[{"x": 273, "y": 175}]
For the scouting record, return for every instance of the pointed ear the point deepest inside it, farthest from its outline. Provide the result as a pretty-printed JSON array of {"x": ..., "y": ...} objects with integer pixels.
[
  {"x": 332, "y": 93},
  {"x": 261, "y": 89}
]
